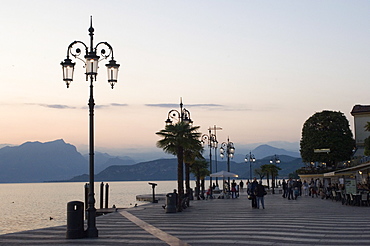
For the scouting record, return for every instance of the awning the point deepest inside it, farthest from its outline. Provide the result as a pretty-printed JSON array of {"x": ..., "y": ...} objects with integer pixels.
[
  {"x": 224, "y": 174},
  {"x": 349, "y": 170}
]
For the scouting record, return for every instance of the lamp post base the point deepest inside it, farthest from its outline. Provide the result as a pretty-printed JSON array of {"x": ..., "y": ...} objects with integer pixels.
[{"x": 91, "y": 233}]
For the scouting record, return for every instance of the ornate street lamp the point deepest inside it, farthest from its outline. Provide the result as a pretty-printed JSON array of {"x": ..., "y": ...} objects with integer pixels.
[
  {"x": 180, "y": 116},
  {"x": 228, "y": 149},
  {"x": 91, "y": 62},
  {"x": 211, "y": 140},
  {"x": 250, "y": 158},
  {"x": 274, "y": 160}
]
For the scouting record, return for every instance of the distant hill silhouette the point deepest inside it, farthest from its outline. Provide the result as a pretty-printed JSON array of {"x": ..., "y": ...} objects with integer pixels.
[
  {"x": 166, "y": 169},
  {"x": 60, "y": 161},
  {"x": 104, "y": 160},
  {"x": 262, "y": 151},
  {"x": 37, "y": 162},
  {"x": 161, "y": 169}
]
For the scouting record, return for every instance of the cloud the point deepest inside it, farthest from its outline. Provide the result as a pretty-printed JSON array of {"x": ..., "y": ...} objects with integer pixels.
[
  {"x": 163, "y": 105},
  {"x": 171, "y": 105},
  {"x": 60, "y": 106},
  {"x": 119, "y": 104},
  {"x": 207, "y": 106},
  {"x": 55, "y": 106}
]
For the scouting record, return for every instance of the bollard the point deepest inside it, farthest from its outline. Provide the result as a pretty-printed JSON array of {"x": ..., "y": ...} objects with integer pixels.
[
  {"x": 171, "y": 203},
  {"x": 101, "y": 194},
  {"x": 86, "y": 198},
  {"x": 75, "y": 220},
  {"x": 153, "y": 187},
  {"x": 106, "y": 194}
]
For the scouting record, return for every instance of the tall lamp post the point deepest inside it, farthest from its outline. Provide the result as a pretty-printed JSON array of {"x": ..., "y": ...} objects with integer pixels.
[
  {"x": 229, "y": 148},
  {"x": 274, "y": 160},
  {"x": 91, "y": 64},
  {"x": 211, "y": 140},
  {"x": 180, "y": 116},
  {"x": 250, "y": 158},
  {"x": 215, "y": 146}
]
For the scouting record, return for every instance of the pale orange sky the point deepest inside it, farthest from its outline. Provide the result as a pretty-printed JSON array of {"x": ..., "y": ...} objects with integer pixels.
[{"x": 258, "y": 69}]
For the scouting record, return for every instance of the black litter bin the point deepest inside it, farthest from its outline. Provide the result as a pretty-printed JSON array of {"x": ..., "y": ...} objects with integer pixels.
[
  {"x": 75, "y": 220},
  {"x": 171, "y": 200},
  {"x": 191, "y": 194}
]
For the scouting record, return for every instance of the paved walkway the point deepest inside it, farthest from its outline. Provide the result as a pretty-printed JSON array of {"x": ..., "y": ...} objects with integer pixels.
[{"x": 306, "y": 221}]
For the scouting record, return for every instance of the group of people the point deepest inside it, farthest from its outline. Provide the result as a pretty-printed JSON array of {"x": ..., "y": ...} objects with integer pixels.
[
  {"x": 256, "y": 192},
  {"x": 292, "y": 189},
  {"x": 227, "y": 192}
]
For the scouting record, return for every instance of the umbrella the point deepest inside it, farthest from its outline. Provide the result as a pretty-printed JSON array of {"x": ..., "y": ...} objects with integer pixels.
[{"x": 223, "y": 174}]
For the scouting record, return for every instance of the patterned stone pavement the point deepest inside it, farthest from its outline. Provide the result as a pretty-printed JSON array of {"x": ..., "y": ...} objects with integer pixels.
[{"x": 306, "y": 221}]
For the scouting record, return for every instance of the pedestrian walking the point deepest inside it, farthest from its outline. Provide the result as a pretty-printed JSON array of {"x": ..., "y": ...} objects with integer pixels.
[
  {"x": 260, "y": 193},
  {"x": 285, "y": 189},
  {"x": 252, "y": 193},
  {"x": 241, "y": 184},
  {"x": 233, "y": 189},
  {"x": 290, "y": 185}
]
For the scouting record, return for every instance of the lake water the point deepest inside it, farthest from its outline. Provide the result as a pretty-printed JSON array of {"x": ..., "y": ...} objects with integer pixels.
[{"x": 30, "y": 206}]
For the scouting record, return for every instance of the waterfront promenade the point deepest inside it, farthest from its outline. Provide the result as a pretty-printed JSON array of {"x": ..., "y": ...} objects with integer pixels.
[{"x": 306, "y": 221}]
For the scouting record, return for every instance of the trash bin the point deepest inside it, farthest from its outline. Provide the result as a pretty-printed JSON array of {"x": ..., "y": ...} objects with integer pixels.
[
  {"x": 75, "y": 220},
  {"x": 191, "y": 197},
  {"x": 171, "y": 200}
]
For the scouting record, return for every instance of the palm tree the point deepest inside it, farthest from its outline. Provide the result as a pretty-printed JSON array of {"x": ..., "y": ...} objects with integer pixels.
[
  {"x": 367, "y": 126},
  {"x": 190, "y": 156},
  {"x": 265, "y": 170},
  {"x": 176, "y": 139},
  {"x": 273, "y": 170},
  {"x": 200, "y": 170}
]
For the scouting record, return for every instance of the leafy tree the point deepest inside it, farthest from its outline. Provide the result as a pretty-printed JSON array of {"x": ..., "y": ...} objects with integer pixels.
[
  {"x": 367, "y": 146},
  {"x": 327, "y": 130},
  {"x": 367, "y": 140},
  {"x": 175, "y": 139},
  {"x": 200, "y": 170},
  {"x": 293, "y": 175},
  {"x": 259, "y": 172}
]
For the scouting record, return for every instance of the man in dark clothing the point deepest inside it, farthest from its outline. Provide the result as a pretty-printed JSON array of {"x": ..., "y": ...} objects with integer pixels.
[
  {"x": 290, "y": 189},
  {"x": 252, "y": 193},
  {"x": 260, "y": 193},
  {"x": 285, "y": 188},
  {"x": 241, "y": 184}
]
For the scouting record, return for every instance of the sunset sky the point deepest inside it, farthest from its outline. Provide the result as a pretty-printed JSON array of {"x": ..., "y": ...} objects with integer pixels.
[{"x": 258, "y": 69}]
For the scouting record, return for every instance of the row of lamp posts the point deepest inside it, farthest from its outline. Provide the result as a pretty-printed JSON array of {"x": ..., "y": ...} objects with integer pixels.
[
  {"x": 227, "y": 148},
  {"x": 91, "y": 62}
]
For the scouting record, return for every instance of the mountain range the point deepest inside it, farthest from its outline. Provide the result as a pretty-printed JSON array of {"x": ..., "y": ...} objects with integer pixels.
[{"x": 60, "y": 161}]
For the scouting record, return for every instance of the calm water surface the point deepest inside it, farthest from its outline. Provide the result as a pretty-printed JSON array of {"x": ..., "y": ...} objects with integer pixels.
[{"x": 30, "y": 206}]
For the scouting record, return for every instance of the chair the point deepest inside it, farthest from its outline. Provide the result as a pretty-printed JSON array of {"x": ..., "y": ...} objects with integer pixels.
[
  {"x": 334, "y": 195},
  {"x": 349, "y": 199},
  {"x": 364, "y": 199}
]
